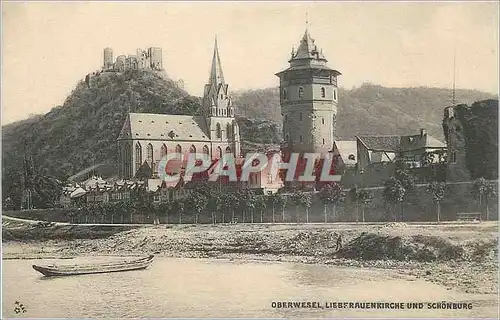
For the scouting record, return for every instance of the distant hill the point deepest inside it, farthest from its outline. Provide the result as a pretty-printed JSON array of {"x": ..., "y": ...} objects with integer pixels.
[{"x": 371, "y": 109}]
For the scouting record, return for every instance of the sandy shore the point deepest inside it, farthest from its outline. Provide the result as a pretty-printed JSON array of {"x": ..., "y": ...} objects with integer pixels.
[{"x": 473, "y": 270}]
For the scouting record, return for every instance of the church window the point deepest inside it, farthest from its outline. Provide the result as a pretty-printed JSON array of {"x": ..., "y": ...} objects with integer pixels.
[
  {"x": 192, "y": 149},
  {"x": 300, "y": 116},
  {"x": 150, "y": 152},
  {"x": 127, "y": 154},
  {"x": 322, "y": 120},
  {"x": 284, "y": 94},
  {"x": 178, "y": 149},
  {"x": 286, "y": 118},
  {"x": 205, "y": 149},
  {"x": 228, "y": 150},
  {"x": 301, "y": 140},
  {"x": 219, "y": 152},
  {"x": 323, "y": 93},
  {"x": 334, "y": 94},
  {"x": 323, "y": 141},
  {"x": 163, "y": 150},
  {"x": 229, "y": 130},
  {"x": 301, "y": 93},
  {"x": 138, "y": 156},
  {"x": 218, "y": 131},
  {"x": 454, "y": 157}
]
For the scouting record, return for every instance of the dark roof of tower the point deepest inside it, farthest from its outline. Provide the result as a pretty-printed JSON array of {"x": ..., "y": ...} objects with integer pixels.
[{"x": 308, "y": 50}]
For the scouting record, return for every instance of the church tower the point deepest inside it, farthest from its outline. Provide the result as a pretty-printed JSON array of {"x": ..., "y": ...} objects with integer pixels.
[
  {"x": 218, "y": 111},
  {"x": 308, "y": 99}
]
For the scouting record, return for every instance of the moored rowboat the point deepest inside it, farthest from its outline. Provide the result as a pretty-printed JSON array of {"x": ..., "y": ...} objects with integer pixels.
[{"x": 118, "y": 266}]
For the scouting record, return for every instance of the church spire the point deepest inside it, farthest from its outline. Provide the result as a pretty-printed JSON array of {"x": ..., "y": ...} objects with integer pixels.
[{"x": 216, "y": 75}]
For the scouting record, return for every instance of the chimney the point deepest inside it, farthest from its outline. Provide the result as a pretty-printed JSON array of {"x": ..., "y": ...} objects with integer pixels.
[{"x": 422, "y": 133}]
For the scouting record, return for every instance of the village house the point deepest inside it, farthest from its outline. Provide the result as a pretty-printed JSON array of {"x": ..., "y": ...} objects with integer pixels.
[
  {"x": 344, "y": 155},
  {"x": 377, "y": 156}
]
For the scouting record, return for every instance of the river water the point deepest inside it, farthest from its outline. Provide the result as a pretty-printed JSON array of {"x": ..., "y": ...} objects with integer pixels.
[{"x": 208, "y": 288}]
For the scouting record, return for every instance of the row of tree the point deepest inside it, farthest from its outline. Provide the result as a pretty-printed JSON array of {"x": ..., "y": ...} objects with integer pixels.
[
  {"x": 399, "y": 188},
  {"x": 224, "y": 205}
]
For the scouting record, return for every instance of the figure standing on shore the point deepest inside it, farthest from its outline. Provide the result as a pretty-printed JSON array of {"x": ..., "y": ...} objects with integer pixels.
[{"x": 339, "y": 243}]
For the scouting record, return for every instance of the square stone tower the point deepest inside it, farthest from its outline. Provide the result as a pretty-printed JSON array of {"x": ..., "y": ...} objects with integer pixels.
[{"x": 308, "y": 98}]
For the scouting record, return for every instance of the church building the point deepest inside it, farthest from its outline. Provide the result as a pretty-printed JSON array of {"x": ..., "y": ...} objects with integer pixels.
[
  {"x": 308, "y": 99},
  {"x": 145, "y": 138}
]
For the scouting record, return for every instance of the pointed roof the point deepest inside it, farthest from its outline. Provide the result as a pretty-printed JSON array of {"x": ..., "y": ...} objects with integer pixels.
[
  {"x": 216, "y": 75},
  {"x": 307, "y": 49}
]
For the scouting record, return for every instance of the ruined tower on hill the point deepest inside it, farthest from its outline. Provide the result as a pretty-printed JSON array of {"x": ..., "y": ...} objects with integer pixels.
[{"x": 308, "y": 98}]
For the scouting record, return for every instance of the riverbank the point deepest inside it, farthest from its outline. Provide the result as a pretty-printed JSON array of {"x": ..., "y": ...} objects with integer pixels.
[{"x": 457, "y": 256}]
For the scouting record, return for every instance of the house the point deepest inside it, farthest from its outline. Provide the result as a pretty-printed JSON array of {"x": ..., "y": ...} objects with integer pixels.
[
  {"x": 421, "y": 150},
  {"x": 379, "y": 156},
  {"x": 376, "y": 150},
  {"x": 344, "y": 155},
  {"x": 264, "y": 181}
]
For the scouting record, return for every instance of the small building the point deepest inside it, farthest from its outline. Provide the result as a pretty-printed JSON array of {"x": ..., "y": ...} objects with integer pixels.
[
  {"x": 376, "y": 150},
  {"x": 344, "y": 155}
]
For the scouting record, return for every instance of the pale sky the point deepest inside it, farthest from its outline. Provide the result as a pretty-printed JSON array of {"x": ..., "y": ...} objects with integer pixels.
[{"x": 48, "y": 47}]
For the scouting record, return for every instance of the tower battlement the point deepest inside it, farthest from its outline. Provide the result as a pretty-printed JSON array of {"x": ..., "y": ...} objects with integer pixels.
[{"x": 150, "y": 58}]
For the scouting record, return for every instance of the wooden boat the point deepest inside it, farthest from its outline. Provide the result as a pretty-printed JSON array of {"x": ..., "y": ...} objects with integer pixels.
[{"x": 117, "y": 266}]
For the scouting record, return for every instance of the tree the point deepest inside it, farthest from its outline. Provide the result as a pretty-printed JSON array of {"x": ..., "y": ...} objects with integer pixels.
[
  {"x": 196, "y": 202},
  {"x": 365, "y": 197},
  {"x": 330, "y": 194},
  {"x": 179, "y": 206},
  {"x": 281, "y": 201},
  {"x": 408, "y": 182},
  {"x": 261, "y": 204},
  {"x": 483, "y": 189},
  {"x": 302, "y": 199},
  {"x": 437, "y": 190},
  {"x": 213, "y": 205},
  {"x": 110, "y": 209},
  {"x": 394, "y": 192},
  {"x": 165, "y": 209}
]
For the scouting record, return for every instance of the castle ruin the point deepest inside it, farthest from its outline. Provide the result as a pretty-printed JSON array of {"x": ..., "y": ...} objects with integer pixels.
[{"x": 151, "y": 58}]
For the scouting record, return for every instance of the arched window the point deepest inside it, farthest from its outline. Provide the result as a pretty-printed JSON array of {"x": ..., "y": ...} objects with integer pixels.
[
  {"x": 218, "y": 131},
  {"x": 284, "y": 94},
  {"x": 322, "y": 120},
  {"x": 219, "y": 152},
  {"x": 323, "y": 94},
  {"x": 205, "y": 150},
  {"x": 301, "y": 93},
  {"x": 192, "y": 149},
  {"x": 149, "y": 149},
  {"x": 127, "y": 161},
  {"x": 228, "y": 150},
  {"x": 138, "y": 156},
  {"x": 178, "y": 149},
  {"x": 229, "y": 131},
  {"x": 163, "y": 150}
]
